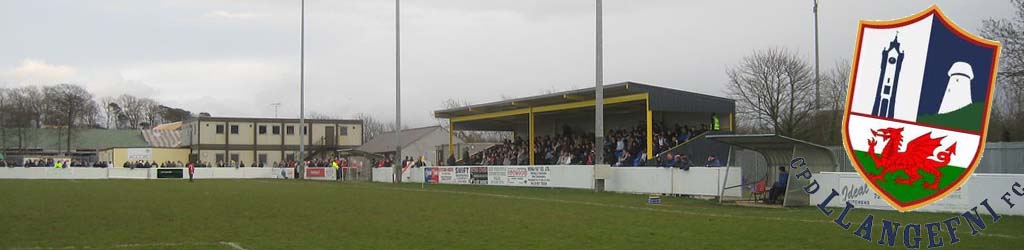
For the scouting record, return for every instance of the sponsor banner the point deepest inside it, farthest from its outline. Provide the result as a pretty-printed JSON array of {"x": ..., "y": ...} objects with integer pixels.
[
  {"x": 316, "y": 172},
  {"x": 430, "y": 175},
  {"x": 497, "y": 176},
  {"x": 538, "y": 176},
  {"x": 171, "y": 173},
  {"x": 446, "y": 175},
  {"x": 478, "y": 175},
  {"x": 853, "y": 189},
  {"x": 139, "y": 154},
  {"x": 462, "y": 175},
  {"x": 516, "y": 176},
  {"x": 520, "y": 176}
]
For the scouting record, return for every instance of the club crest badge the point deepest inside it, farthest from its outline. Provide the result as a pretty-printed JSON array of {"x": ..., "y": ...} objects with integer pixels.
[{"x": 917, "y": 110}]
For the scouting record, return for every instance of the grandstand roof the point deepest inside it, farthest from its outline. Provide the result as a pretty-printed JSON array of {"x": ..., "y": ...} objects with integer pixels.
[
  {"x": 386, "y": 142},
  {"x": 162, "y": 138},
  {"x": 83, "y": 139},
  {"x": 168, "y": 126},
  {"x": 661, "y": 99}
]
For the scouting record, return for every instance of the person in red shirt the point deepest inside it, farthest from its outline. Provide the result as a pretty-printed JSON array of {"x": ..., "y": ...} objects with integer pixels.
[{"x": 191, "y": 171}]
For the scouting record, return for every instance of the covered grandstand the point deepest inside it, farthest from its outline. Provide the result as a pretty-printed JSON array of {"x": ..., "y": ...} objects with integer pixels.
[{"x": 626, "y": 105}]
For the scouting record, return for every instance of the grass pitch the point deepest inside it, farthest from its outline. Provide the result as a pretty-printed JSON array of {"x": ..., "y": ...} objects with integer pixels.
[{"x": 283, "y": 214}]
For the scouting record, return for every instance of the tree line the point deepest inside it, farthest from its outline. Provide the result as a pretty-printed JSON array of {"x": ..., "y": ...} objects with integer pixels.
[{"x": 72, "y": 107}]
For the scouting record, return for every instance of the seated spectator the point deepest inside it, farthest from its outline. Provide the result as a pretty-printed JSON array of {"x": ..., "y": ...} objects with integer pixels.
[
  {"x": 641, "y": 159},
  {"x": 713, "y": 161},
  {"x": 683, "y": 162},
  {"x": 669, "y": 161},
  {"x": 779, "y": 187},
  {"x": 624, "y": 160},
  {"x": 451, "y": 160}
]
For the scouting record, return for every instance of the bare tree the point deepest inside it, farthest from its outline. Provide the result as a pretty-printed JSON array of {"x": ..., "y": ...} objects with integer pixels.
[
  {"x": 1007, "y": 120},
  {"x": 372, "y": 127},
  {"x": 151, "y": 112},
  {"x": 135, "y": 112},
  {"x": 4, "y": 111},
  {"x": 774, "y": 90},
  {"x": 72, "y": 106},
  {"x": 23, "y": 109},
  {"x": 829, "y": 119},
  {"x": 28, "y": 105}
]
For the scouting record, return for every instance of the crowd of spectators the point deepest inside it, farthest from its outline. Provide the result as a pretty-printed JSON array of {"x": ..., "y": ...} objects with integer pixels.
[
  {"x": 622, "y": 147},
  {"x": 407, "y": 162},
  {"x": 53, "y": 163}
]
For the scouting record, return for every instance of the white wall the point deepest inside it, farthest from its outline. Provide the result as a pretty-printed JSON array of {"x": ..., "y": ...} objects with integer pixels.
[
  {"x": 382, "y": 174},
  {"x": 979, "y": 187},
  {"x": 128, "y": 173},
  {"x": 53, "y": 173},
  {"x": 696, "y": 181},
  {"x": 142, "y": 173}
]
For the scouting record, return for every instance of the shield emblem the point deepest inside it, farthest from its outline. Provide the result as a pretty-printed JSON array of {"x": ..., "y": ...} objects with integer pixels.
[{"x": 917, "y": 108}]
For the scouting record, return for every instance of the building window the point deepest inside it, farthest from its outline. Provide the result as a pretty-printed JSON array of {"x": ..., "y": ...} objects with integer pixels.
[
  {"x": 220, "y": 129},
  {"x": 262, "y": 129},
  {"x": 234, "y": 129},
  {"x": 276, "y": 130},
  {"x": 234, "y": 159},
  {"x": 289, "y": 130},
  {"x": 220, "y": 158},
  {"x": 305, "y": 130},
  {"x": 262, "y": 158},
  {"x": 343, "y": 131}
]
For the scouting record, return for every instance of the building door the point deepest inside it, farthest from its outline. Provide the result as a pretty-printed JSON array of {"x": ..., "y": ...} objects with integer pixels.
[{"x": 330, "y": 138}]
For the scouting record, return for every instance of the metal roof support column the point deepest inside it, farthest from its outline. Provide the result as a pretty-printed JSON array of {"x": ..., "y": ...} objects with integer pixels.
[
  {"x": 451, "y": 139},
  {"x": 650, "y": 130},
  {"x": 531, "y": 137},
  {"x": 650, "y": 135}
]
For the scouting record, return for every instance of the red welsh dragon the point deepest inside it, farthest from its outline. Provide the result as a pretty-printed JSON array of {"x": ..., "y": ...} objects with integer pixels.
[{"x": 917, "y": 156}]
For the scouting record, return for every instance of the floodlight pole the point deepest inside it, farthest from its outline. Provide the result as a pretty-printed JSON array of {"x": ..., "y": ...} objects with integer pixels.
[
  {"x": 817, "y": 82},
  {"x": 302, "y": 90},
  {"x": 598, "y": 95},
  {"x": 398, "y": 95}
]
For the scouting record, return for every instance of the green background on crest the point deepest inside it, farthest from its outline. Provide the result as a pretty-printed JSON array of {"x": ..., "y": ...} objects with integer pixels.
[
  {"x": 966, "y": 118},
  {"x": 916, "y": 190}
]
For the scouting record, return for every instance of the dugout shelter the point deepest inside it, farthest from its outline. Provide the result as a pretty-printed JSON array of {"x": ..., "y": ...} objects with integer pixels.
[{"x": 779, "y": 151}]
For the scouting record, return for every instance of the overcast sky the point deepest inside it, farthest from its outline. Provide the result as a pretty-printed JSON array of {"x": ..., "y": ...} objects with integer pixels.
[{"x": 234, "y": 58}]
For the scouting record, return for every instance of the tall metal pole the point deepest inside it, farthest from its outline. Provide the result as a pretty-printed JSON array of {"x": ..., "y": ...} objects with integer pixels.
[
  {"x": 599, "y": 95},
  {"x": 817, "y": 81},
  {"x": 302, "y": 89},
  {"x": 398, "y": 95}
]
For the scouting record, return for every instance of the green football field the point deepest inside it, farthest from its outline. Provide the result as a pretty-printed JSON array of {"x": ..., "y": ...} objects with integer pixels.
[{"x": 288, "y": 214}]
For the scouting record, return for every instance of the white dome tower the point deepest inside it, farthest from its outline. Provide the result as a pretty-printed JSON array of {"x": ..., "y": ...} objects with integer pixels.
[{"x": 958, "y": 90}]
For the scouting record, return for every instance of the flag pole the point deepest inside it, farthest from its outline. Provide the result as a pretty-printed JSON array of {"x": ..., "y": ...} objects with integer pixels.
[
  {"x": 302, "y": 90},
  {"x": 398, "y": 94},
  {"x": 817, "y": 80},
  {"x": 598, "y": 93}
]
